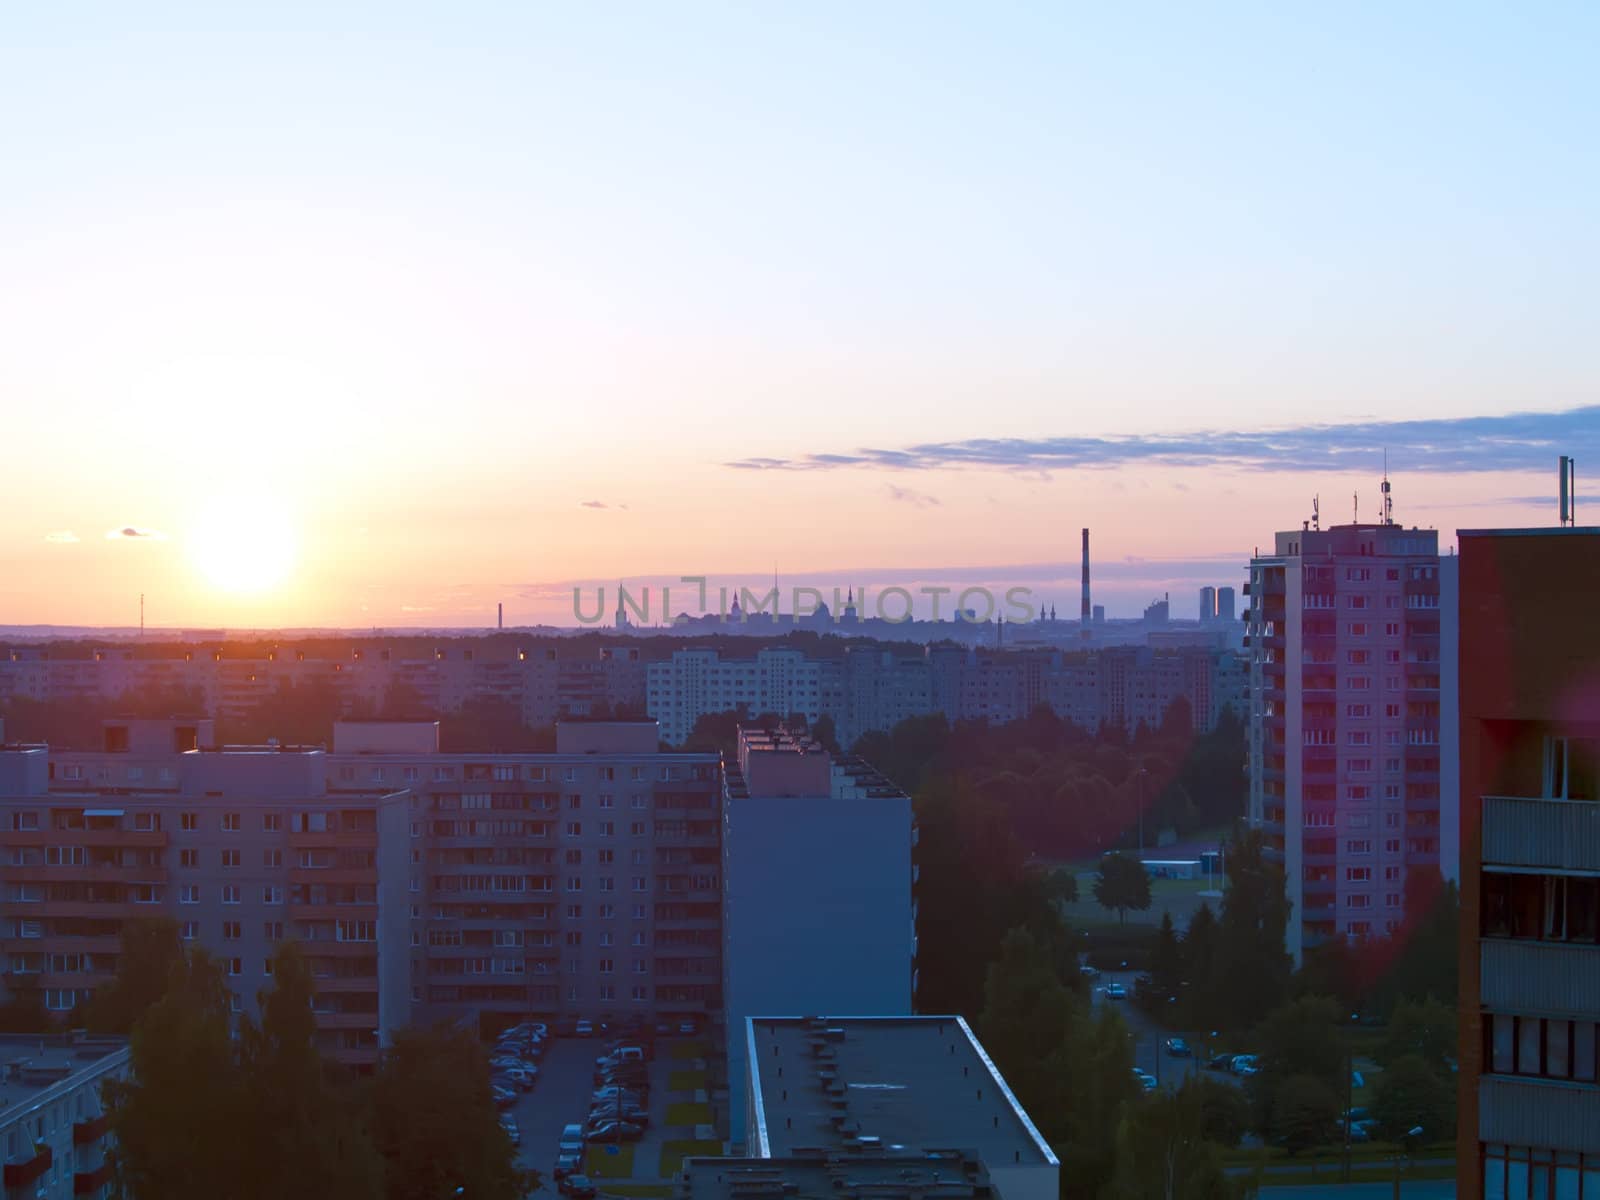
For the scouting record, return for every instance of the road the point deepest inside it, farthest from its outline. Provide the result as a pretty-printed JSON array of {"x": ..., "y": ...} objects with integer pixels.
[{"x": 1148, "y": 1052}]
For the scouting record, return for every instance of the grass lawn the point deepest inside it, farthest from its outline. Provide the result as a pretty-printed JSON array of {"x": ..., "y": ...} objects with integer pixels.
[
  {"x": 1364, "y": 1155},
  {"x": 690, "y": 1049},
  {"x": 686, "y": 1081},
  {"x": 644, "y": 1191},
  {"x": 599, "y": 1164},
  {"x": 673, "y": 1154},
  {"x": 688, "y": 1113}
]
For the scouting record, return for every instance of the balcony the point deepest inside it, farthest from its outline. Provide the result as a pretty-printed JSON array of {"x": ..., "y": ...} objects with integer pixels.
[
  {"x": 333, "y": 912},
  {"x": 120, "y": 838},
  {"x": 87, "y": 873},
  {"x": 315, "y": 875},
  {"x": 84, "y": 1132},
  {"x": 22, "y": 1173},
  {"x": 332, "y": 839},
  {"x": 63, "y": 943},
  {"x": 89, "y": 1183},
  {"x": 111, "y": 910},
  {"x": 1563, "y": 834},
  {"x": 1534, "y": 978},
  {"x": 1530, "y": 1112}
]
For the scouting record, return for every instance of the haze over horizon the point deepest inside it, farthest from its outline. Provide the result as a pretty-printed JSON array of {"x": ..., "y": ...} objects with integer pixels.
[{"x": 368, "y": 317}]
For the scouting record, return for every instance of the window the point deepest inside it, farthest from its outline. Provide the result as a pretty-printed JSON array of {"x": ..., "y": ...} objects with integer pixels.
[
  {"x": 1391, "y": 899},
  {"x": 271, "y": 894},
  {"x": 574, "y": 858},
  {"x": 1358, "y": 710},
  {"x": 608, "y": 828},
  {"x": 1358, "y": 629},
  {"x": 607, "y": 800},
  {"x": 272, "y": 931},
  {"x": 232, "y": 931},
  {"x": 574, "y": 912},
  {"x": 1391, "y": 629},
  {"x": 230, "y": 822},
  {"x": 230, "y": 859},
  {"x": 606, "y": 966},
  {"x": 1391, "y": 846},
  {"x": 574, "y": 828},
  {"x": 272, "y": 822},
  {"x": 189, "y": 930},
  {"x": 272, "y": 858},
  {"x": 147, "y": 822},
  {"x": 188, "y": 858},
  {"x": 1358, "y": 900},
  {"x": 1570, "y": 768},
  {"x": 189, "y": 893},
  {"x": 1357, "y": 874},
  {"x": 639, "y": 967},
  {"x": 230, "y": 893},
  {"x": 637, "y": 829},
  {"x": 608, "y": 883},
  {"x": 189, "y": 822},
  {"x": 575, "y": 800},
  {"x": 638, "y": 938},
  {"x": 1358, "y": 791},
  {"x": 235, "y": 966},
  {"x": 574, "y": 883},
  {"x": 1358, "y": 846}
]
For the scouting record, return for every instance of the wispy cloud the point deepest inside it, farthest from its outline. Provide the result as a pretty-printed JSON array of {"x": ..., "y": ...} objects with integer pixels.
[
  {"x": 1512, "y": 442},
  {"x": 61, "y": 537},
  {"x": 132, "y": 533},
  {"x": 595, "y": 504},
  {"x": 912, "y": 497}
]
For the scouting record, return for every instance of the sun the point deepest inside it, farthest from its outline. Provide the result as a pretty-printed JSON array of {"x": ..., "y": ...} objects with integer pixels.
[{"x": 243, "y": 542}]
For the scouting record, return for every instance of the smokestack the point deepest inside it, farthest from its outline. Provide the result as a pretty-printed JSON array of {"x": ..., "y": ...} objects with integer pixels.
[
  {"x": 500, "y": 615},
  {"x": 1084, "y": 613}
]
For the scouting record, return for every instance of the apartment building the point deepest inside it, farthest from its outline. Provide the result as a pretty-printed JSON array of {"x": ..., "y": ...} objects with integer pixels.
[
  {"x": 886, "y": 1175},
  {"x": 1529, "y": 1099},
  {"x": 818, "y": 885},
  {"x": 861, "y": 1087},
  {"x": 243, "y": 847},
  {"x": 586, "y": 882},
  {"x": 695, "y": 682},
  {"x": 1353, "y": 730},
  {"x": 54, "y": 1128}
]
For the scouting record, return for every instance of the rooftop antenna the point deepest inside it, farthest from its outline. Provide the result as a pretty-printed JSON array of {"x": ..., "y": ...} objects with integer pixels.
[
  {"x": 1388, "y": 502},
  {"x": 1569, "y": 490},
  {"x": 1316, "y": 512},
  {"x": 1356, "y": 500}
]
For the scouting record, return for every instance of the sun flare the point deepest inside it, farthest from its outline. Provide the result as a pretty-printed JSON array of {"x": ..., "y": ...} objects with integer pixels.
[{"x": 243, "y": 543}]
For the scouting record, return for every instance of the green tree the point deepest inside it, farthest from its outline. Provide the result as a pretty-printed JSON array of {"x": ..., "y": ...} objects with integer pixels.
[
  {"x": 1027, "y": 1014},
  {"x": 1096, "y": 1069},
  {"x": 1426, "y": 1028},
  {"x": 1166, "y": 961},
  {"x": 1412, "y": 1092},
  {"x": 434, "y": 1121},
  {"x": 1250, "y": 971},
  {"x": 178, "y": 1120},
  {"x": 151, "y": 950},
  {"x": 1224, "y": 1111},
  {"x": 1122, "y": 883},
  {"x": 1305, "y": 1113},
  {"x": 1163, "y": 1152},
  {"x": 1199, "y": 948},
  {"x": 1299, "y": 1040},
  {"x": 307, "y": 1133}
]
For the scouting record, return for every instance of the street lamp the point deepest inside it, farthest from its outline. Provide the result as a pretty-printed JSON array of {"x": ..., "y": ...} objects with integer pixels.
[
  {"x": 1349, "y": 1097},
  {"x": 1400, "y": 1151}
]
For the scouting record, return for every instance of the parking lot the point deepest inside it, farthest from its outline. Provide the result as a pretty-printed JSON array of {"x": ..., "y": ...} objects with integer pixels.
[{"x": 563, "y": 1094}]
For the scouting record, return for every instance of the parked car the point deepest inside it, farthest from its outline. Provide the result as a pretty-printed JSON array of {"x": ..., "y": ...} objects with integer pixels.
[
  {"x": 583, "y": 1029},
  {"x": 572, "y": 1139},
  {"x": 615, "y": 1096},
  {"x": 620, "y": 1056},
  {"x": 578, "y": 1187},
  {"x": 1178, "y": 1048},
  {"x": 1115, "y": 991},
  {"x": 1244, "y": 1064},
  {"x": 1089, "y": 972},
  {"x": 630, "y": 1113},
  {"x": 1146, "y": 1080},
  {"x": 1222, "y": 1062},
  {"x": 568, "y": 1164},
  {"x": 609, "y": 1130},
  {"x": 688, "y": 1028},
  {"x": 509, "y": 1124},
  {"x": 504, "y": 1097}
]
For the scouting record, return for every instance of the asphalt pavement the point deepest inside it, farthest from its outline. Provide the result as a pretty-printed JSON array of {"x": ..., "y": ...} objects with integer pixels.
[{"x": 1149, "y": 1052}]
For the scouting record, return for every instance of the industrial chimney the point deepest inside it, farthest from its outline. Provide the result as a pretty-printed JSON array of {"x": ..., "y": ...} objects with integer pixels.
[{"x": 1084, "y": 612}]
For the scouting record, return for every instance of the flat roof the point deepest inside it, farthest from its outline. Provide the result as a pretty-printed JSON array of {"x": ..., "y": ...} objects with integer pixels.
[
  {"x": 42, "y": 1068},
  {"x": 942, "y": 1176},
  {"x": 914, "y": 1082},
  {"x": 1532, "y": 531}
]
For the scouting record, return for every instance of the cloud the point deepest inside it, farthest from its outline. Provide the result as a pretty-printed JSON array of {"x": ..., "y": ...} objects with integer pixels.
[
  {"x": 132, "y": 533},
  {"x": 595, "y": 504},
  {"x": 416, "y": 608},
  {"x": 1512, "y": 442},
  {"x": 912, "y": 497},
  {"x": 61, "y": 537}
]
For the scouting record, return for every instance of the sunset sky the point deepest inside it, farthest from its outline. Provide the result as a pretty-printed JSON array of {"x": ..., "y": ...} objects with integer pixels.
[{"x": 379, "y": 315}]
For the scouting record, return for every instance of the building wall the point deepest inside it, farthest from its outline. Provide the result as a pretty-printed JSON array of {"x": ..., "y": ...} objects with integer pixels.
[
  {"x": 819, "y": 914},
  {"x": 1529, "y": 665},
  {"x": 68, "y": 1116}
]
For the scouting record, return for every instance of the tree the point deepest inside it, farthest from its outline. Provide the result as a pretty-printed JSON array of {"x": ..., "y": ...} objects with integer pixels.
[
  {"x": 306, "y": 1135},
  {"x": 1305, "y": 1113},
  {"x": 1250, "y": 973},
  {"x": 1122, "y": 883},
  {"x": 1166, "y": 961},
  {"x": 434, "y": 1121},
  {"x": 1426, "y": 1029},
  {"x": 1096, "y": 1070},
  {"x": 826, "y": 732},
  {"x": 1224, "y": 1111},
  {"x": 1199, "y": 947},
  {"x": 1027, "y": 1013},
  {"x": 1412, "y": 1092},
  {"x": 151, "y": 950},
  {"x": 1300, "y": 1039},
  {"x": 178, "y": 1119},
  {"x": 1163, "y": 1152}
]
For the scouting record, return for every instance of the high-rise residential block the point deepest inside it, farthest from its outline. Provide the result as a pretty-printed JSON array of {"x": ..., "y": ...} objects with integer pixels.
[
  {"x": 1528, "y": 1121},
  {"x": 1352, "y": 645}
]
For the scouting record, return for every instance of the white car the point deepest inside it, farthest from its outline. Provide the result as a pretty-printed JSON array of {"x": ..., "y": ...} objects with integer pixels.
[
  {"x": 1146, "y": 1080},
  {"x": 1115, "y": 991}
]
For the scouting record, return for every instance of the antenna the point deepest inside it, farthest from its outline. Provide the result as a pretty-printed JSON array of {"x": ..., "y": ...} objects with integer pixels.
[
  {"x": 1356, "y": 498},
  {"x": 1388, "y": 503},
  {"x": 1316, "y": 512},
  {"x": 1569, "y": 490}
]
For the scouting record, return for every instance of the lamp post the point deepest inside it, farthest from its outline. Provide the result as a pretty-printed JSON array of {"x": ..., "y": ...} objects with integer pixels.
[
  {"x": 1400, "y": 1151},
  {"x": 1349, "y": 1100}
]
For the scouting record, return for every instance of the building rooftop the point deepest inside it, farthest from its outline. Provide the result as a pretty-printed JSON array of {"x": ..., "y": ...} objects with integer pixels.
[
  {"x": 32, "y": 1068},
  {"x": 855, "y": 1084},
  {"x": 948, "y": 1175}
]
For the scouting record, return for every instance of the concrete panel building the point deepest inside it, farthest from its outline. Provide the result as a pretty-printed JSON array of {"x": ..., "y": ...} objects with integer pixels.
[
  {"x": 1353, "y": 739},
  {"x": 817, "y": 877},
  {"x": 54, "y": 1129},
  {"x": 1529, "y": 1099},
  {"x": 855, "y": 1086}
]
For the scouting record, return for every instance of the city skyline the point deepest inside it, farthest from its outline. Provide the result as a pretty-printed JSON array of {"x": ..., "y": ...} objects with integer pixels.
[{"x": 336, "y": 322}]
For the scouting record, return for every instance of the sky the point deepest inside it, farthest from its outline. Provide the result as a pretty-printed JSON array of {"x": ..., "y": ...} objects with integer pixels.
[{"x": 381, "y": 315}]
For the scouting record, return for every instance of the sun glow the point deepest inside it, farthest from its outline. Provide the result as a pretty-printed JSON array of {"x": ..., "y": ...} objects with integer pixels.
[{"x": 243, "y": 542}]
